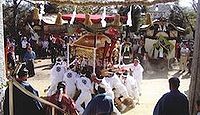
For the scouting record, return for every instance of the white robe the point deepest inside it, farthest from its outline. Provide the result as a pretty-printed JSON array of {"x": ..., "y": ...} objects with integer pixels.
[
  {"x": 70, "y": 79},
  {"x": 56, "y": 76},
  {"x": 115, "y": 83},
  {"x": 137, "y": 72},
  {"x": 131, "y": 86},
  {"x": 85, "y": 85}
]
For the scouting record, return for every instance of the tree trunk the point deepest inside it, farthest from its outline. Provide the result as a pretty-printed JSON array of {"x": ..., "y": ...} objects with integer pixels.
[
  {"x": 2, "y": 56},
  {"x": 194, "y": 91}
]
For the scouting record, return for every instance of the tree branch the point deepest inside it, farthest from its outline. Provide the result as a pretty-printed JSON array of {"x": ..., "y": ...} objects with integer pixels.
[
  {"x": 29, "y": 2},
  {"x": 186, "y": 18}
]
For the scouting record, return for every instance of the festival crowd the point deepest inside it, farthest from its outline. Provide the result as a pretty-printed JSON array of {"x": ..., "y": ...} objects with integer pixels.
[{"x": 78, "y": 89}]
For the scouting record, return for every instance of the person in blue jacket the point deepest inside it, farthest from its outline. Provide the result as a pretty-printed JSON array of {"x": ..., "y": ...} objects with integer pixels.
[
  {"x": 173, "y": 102},
  {"x": 101, "y": 104},
  {"x": 22, "y": 103}
]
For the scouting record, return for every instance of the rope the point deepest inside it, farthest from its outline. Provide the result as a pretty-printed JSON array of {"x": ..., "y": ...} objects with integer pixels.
[
  {"x": 108, "y": 3},
  {"x": 35, "y": 97}
]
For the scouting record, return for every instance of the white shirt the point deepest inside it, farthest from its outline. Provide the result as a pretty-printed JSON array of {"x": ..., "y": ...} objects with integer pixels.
[
  {"x": 56, "y": 76},
  {"x": 106, "y": 86},
  {"x": 84, "y": 84},
  {"x": 70, "y": 79},
  {"x": 131, "y": 86},
  {"x": 115, "y": 83},
  {"x": 137, "y": 71},
  {"x": 161, "y": 52},
  {"x": 24, "y": 43},
  {"x": 184, "y": 51},
  {"x": 57, "y": 72}
]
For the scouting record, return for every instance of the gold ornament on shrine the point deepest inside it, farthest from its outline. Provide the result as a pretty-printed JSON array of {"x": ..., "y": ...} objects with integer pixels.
[
  {"x": 59, "y": 19},
  {"x": 87, "y": 21},
  {"x": 116, "y": 21},
  {"x": 35, "y": 13},
  {"x": 148, "y": 20}
]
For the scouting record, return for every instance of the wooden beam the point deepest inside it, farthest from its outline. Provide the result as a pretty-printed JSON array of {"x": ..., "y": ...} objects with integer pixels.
[{"x": 11, "y": 106}]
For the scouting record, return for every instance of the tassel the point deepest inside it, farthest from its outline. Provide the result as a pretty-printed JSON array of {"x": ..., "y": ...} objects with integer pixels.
[
  {"x": 160, "y": 28},
  {"x": 103, "y": 22},
  {"x": 73, "y": 16},
  {"x": 87, "y": 20},
  {"x": 148, "y": 19},
  {"x": 116, "y": 21},
  {"x": 164, "y": 28},
  {"x": 129, "y": 21},
  {"x": 59, "y": 19},
  {"x": 36, "y": 14}
]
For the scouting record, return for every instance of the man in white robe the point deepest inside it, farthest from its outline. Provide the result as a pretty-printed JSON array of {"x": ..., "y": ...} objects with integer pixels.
[
  {"x": 85, "y": 85},
  {"x": 118, "y": 88},
  {"x": 70, "y": 79},
  {"x": 131, "y": 86},
  {"x": 137, "y": 73},
  {"x": 56, "y": 75}
]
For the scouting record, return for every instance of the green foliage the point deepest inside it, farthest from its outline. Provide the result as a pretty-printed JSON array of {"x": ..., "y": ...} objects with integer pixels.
[
  {"x": 192, "y": 15},
  {"x": 23, "y": 10}
]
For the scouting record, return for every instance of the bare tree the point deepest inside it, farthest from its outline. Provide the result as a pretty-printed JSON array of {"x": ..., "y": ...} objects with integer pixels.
[
  {"x": 185, "y": 18},
  {"x": 194, "y": 91},
  {"x": 194, "y": 5}
]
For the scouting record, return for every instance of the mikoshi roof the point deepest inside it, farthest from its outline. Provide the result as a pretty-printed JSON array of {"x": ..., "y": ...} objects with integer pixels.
[
  {"x": 145, "y": 27},
  {"x": 87, "y": 40},
  {"x": 94, "y": 18},
  {"x": 108, "y": 2}
]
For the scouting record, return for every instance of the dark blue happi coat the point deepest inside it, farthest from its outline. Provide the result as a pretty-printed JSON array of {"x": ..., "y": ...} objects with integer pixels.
[
  {"x": 101, "y": 104},
  {"x": 23, "y": 104},
  {"x": 172, "y": 103}
]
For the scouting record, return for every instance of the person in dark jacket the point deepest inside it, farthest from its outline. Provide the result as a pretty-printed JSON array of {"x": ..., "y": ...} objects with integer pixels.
[
  {"x": 29, "y": 57},
  {"x": 101, "y": 104},
  {"x": 22, "y": 103},
  {"x": 173, "y": 102}
]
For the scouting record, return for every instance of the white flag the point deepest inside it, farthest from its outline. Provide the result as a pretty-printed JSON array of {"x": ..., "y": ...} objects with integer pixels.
[{"x": 129, "y": 21}]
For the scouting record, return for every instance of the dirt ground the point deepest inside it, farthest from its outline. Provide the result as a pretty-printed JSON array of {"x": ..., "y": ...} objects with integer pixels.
[{"x": 154, "y": 85}]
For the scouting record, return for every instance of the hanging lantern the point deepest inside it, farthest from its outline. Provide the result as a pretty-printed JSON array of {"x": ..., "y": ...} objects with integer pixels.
[
  {"x": 112, "y": 32},
  {"x": 87, "y": 20},
  {"x": 36, "y": 14},
  {"x": 59, "y": 19},
  {"x": 148, "y": 19},
  {"x": 116, "y": 21}
]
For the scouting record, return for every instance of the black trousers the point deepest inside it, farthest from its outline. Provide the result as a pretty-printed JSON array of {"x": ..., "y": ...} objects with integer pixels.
[{"x": 30, "y": 68}]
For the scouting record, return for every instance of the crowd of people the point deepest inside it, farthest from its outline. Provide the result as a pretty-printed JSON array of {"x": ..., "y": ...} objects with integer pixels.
[
  {"x": 77, "y": 90},
  {"x": 121, "y": 85}
]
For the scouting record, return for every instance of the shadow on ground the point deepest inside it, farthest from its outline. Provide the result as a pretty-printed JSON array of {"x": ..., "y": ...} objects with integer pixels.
[{"x": 156, "y": 69}]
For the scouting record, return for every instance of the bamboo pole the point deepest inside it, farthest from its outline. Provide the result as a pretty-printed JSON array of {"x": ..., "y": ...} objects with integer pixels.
[
  {"x": 68, "y": 55},
  {"x": 94, "y": 60},
  {"x": 53, "y": 111},
  {"x": 10, "y": 85},
  {"x": 120, "y": 56},
  {"x": 94, "y": 55}
]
